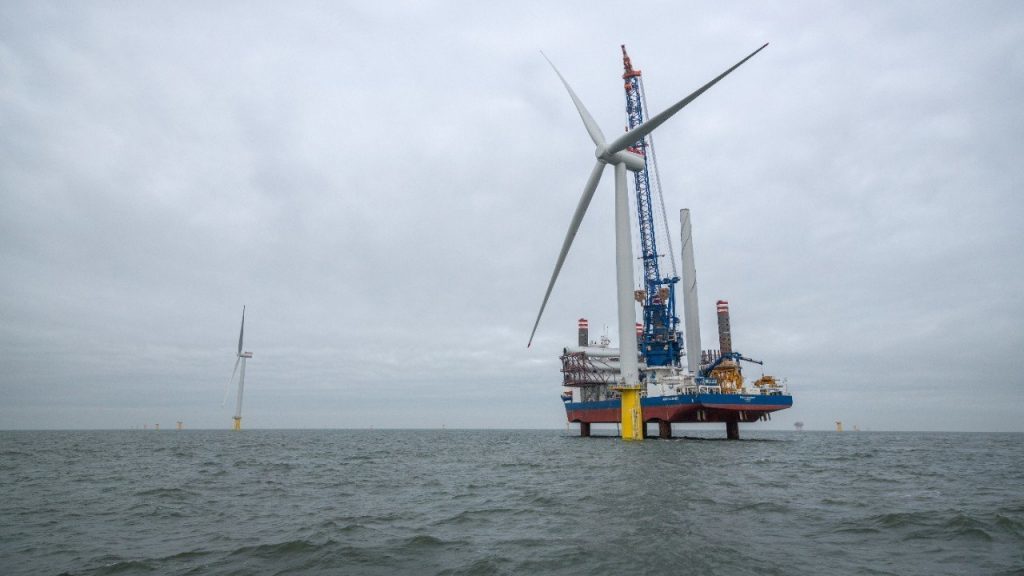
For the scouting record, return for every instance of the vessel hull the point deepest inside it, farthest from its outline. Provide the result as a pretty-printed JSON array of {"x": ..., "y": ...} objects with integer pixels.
[{"x": 684, "y": 408}]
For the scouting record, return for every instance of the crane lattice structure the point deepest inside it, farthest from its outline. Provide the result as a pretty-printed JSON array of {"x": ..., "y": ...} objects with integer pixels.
[{"x": 661, "y": 342}]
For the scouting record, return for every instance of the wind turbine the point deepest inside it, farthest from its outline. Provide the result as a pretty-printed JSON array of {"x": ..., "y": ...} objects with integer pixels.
[
  {"x": 242, "y": 357},
  {"x": 616, "y": 154}
]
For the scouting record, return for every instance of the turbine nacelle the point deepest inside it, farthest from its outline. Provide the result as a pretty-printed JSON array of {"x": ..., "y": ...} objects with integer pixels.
[{"x": 633, "y": 161}]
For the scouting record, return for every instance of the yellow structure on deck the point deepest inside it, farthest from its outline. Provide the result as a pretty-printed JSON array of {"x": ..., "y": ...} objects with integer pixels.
[
  {"x": 632, "y": 418},
  {"x": 238, "y": 423},
  {"x": 729, "y": 377}
]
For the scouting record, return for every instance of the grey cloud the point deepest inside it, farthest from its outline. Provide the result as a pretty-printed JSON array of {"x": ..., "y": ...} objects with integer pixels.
[{"x": 386, "y": 186}]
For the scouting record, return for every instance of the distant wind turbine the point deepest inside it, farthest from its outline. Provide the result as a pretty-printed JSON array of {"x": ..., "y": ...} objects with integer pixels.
[
  {"x": 242, "y": 357},
  {"x": 616, "y": 153}
]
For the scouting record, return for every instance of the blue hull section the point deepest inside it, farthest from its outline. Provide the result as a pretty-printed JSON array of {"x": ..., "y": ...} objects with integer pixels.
[{"x": 685, "y": 408}]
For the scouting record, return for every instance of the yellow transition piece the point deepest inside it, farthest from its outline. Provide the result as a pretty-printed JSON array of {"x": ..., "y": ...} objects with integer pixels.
[{"x": 632, "y": 415}]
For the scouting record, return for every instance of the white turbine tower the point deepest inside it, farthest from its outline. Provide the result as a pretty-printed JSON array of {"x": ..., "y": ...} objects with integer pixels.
[
  {"x": 616, "y": 153},
  {"x": 242, "y": 357}
]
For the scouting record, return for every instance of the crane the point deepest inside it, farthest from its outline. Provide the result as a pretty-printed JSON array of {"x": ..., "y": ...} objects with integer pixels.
[
  {"x": 661, "y": 342},
  {"x": 734, "y": 356}
]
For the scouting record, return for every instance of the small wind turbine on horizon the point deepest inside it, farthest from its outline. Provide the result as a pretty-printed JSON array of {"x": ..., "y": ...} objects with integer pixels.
[
  {"x": 242, "y": 357},
  {"x": 618, "y": 154}
]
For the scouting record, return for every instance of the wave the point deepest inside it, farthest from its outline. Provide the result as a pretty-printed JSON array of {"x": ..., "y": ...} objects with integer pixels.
[
  {"x": 287, "y": 547},
  {"x": 173, "y": 492},
  {"x": 764, "y": 507},
  {"x": 942, "y": 525},
  {"x": 534, "y": 503}
]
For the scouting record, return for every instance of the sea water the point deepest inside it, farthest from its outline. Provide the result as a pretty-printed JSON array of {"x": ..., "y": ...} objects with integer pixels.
[{"x": 509, "y": 502}]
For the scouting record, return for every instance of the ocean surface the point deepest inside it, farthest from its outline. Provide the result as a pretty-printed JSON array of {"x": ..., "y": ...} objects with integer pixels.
[{"x": 509, "y": 502}]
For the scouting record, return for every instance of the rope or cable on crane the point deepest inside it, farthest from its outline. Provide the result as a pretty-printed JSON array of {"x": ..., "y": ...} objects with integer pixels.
[{"x": 657, "y": 182}]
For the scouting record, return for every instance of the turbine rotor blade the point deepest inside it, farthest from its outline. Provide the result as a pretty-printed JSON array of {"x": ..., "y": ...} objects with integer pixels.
[
  {"x": 241, "y": 332},
  {"x": 588, "y": 121},
  {"x": 570, "y": 234},
  {"x": 227, "y": 387},
  {"x": 636, "y": 134}
]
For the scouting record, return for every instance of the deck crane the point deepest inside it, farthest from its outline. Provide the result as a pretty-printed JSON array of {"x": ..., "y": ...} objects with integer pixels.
[
  {"x": 734, "y": 356},
  {"x": 661, "y": 342}
]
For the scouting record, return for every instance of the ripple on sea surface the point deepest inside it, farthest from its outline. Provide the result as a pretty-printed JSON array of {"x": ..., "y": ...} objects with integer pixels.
[{"x": 487, "y": 502}]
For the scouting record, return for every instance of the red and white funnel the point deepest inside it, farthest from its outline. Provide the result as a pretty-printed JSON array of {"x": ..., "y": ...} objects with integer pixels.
[
  {"x": 724, "y": 335},
  {"x": 584, "y": 328}
]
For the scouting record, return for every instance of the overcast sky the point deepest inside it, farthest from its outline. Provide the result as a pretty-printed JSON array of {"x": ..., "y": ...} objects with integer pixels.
[{"x": 386, "y": 186}]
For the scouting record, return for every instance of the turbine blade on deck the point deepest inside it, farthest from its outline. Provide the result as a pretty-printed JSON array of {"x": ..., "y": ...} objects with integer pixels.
[
  {"x": 636, "y": 134},
  {"x": 570, "y": 234}
]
